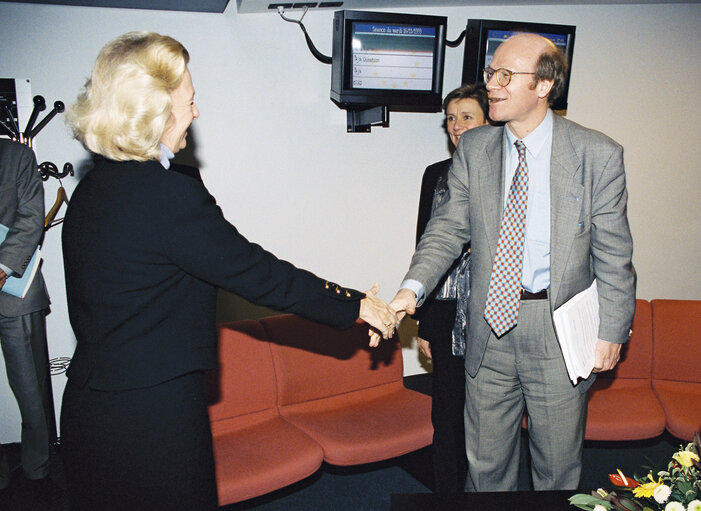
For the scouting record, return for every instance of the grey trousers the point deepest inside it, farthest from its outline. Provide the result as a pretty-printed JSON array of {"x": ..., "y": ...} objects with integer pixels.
[
  {"x": 23, "y": 340},
  {"x": 524, "y": 369}
]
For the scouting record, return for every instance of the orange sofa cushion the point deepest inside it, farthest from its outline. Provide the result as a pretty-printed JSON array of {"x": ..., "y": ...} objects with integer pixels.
[
  {"x": 255, "y": 450},
  {"x": 682, "y": 406},
  {"x": 244, "y": 382},
  {"x": 262, "y": 457},
  {"x": 622, "y": 404},
  {"x": 314, "y": 361},
  {"x": 676, "y": 326},
  {"x": 623, "y": 409},
  {"x": 348, "y": 397},
  {"x": 368, "y": 425},
  {"x": 676, "y": 372}
]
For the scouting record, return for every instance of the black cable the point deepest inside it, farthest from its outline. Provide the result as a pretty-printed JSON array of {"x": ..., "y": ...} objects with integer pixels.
[
  {"x": 325, "y": 59},
  {"x": 319, "y": 56},
  {"x": 456, "y": 43}
]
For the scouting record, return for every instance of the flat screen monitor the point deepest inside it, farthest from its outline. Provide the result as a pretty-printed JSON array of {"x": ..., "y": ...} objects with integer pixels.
[
  {"x": 388, "y": 59},
  {"x": 483, "y": 37}
]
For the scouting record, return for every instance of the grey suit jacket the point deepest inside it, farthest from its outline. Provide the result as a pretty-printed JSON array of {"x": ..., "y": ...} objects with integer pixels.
[
  {"x": 590, "y": 235},
  {"x": 22, "y": 210}
]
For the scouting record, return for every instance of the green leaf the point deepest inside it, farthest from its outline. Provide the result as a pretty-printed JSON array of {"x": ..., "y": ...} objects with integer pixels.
[
  {"x": 685, "y": 486},
  {"x": 587, "y": 502},
  {"x": 631, "y": 505}
]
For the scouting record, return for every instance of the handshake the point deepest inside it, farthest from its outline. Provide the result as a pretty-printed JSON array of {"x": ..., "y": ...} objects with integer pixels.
[{"x": 382, "y": 317}]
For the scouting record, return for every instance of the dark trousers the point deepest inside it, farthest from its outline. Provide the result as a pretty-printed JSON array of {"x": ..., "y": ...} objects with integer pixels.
[
  {"x": 142, "y": 449},
  {"x": 448, "y": 403},
  {"x": 23, "y": 340}
]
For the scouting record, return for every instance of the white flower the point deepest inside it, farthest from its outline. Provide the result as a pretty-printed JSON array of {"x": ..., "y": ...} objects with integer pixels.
[
  {"x": 661, "y": 493},
  {"x": 599, "y": 507},
  {"x": 694, "y": 505},
  {"x": 674, "y": 506}
]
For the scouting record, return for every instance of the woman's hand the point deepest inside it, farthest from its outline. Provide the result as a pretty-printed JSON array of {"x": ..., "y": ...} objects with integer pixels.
[
  {"x": 424, "y": 347},
  {"x": 379, "y": 315}
]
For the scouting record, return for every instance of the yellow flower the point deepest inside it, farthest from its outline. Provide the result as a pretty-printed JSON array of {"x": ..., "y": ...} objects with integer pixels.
[
  {"x": 646, "y": 490},
  {"x": 684, "y": 458}
]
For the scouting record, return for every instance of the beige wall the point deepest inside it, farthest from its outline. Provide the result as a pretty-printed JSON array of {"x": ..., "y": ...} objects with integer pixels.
[{"x": 274, "y": 150}]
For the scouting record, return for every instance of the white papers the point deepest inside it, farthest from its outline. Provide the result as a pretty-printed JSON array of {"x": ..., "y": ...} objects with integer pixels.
[
  {"x": 19, "y": 286},
  {"x": 577, "y": 327}
]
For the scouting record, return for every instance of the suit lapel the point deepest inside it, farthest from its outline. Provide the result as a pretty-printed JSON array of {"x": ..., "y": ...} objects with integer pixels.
[
  {"x": 566, "y": 196},
  {"x": 491, "y": 189}
]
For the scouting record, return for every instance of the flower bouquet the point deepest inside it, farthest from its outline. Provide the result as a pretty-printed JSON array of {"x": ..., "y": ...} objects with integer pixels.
[{"x": 678, "y": 488}]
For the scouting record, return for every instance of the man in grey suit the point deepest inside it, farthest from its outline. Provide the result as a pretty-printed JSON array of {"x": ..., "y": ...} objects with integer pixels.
[
  {"x": 22, "y": 324},
  {"x": 576, "y": 230}
]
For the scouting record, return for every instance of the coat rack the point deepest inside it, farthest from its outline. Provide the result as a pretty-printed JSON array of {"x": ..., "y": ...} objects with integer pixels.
[{"x": 46, "y": 169}]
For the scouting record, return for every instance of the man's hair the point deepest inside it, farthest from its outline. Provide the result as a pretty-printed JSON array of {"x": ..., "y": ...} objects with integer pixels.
[
  {"x": 552, "y": 65},
  {"x": 124, "y": 107}
]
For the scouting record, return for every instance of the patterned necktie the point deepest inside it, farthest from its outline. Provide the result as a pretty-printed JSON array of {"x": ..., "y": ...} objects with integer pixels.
[{"x": 504, "y": 296}]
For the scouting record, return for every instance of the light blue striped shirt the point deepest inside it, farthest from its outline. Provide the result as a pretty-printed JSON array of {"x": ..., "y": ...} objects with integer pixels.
[{"x": 536, "y": 255}]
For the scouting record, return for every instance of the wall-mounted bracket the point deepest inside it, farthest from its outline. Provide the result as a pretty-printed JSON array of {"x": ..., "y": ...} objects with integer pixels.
[{"x": 361, "y": 120}]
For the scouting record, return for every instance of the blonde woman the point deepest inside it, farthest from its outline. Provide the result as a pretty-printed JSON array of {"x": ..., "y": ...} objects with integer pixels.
[{"x": 145, "y": 249}]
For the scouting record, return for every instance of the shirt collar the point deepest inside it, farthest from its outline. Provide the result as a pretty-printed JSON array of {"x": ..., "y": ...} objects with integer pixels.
[
  {"x": 535, "y": 140},
  {"x": 166, "y": 156}
]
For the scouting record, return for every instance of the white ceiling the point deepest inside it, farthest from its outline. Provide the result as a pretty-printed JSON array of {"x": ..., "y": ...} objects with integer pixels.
[
  {"x": 259, "y": 6},
  {"x": 252, "y": 6},
  {"x": 162, "y": 5}
]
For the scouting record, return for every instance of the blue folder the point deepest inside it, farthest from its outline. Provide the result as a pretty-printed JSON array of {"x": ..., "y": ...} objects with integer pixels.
[{"x": 18, "y": 286}]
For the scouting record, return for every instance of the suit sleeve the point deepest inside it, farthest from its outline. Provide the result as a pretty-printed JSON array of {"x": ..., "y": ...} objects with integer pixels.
[
  {"x": 612, "y": 251},
  {"x": 27, "y": 194},
  {"x": 448, "y": 230},
  {"x": 201, "y": 241},
  {"x": 428, "y": 186}
]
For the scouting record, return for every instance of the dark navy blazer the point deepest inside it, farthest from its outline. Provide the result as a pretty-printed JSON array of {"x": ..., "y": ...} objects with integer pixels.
[{"x": 145, "y": 250}]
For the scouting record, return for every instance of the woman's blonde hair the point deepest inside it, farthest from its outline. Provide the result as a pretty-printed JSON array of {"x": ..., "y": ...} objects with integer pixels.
[{"x": 122, "y": 111}]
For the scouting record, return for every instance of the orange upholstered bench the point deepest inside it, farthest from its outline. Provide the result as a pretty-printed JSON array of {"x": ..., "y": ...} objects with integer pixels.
[
  {"x": 622, "y": 404},
  {"x": 256, "y": 451},
  {"x": 290, "y": 393},
  {"x": 676, "y": 366},
  {"x": 348, "y": 397}
]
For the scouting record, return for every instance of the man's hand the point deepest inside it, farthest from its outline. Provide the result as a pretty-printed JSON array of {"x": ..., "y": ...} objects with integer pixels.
[
  {"x": 404, "y": 302},
  {"x": 424, "y": 347},
  {"x": 379, "y": 315},
  {"x": 607, "y": 356},
  {"x": 3, "y": 278}
]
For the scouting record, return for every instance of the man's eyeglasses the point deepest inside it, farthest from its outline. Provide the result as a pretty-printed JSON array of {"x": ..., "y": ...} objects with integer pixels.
[{"x": 503, "y": 75}]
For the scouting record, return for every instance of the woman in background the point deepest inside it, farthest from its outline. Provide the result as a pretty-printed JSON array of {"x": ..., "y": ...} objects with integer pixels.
[
  {"x": 443, "y": 317},
  {"x": 145, "y": 249}
]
